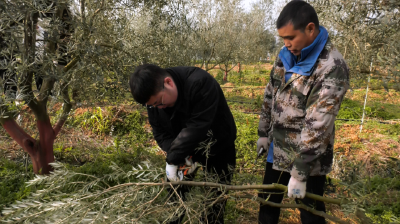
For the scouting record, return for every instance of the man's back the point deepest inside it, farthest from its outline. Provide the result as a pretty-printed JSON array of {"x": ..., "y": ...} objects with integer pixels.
[{"x": 201, "y": 107}]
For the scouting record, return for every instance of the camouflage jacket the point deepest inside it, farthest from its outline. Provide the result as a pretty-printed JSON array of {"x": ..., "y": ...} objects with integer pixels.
[{"x": 299, "y": 116}]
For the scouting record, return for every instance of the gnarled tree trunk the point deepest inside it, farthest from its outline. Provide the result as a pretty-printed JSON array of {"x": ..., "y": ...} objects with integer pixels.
[{"x": 41, "y": 150}]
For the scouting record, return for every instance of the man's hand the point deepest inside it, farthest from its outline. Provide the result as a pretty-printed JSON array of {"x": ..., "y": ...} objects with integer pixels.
[
  {"x": 189, "y": 167},
  {"x": 296, "y": 189},
  {"x": 262, "y": 142},
  {"x": 172, "y": 173}
]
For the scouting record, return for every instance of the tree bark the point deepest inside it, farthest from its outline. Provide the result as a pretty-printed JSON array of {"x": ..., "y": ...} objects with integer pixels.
[
  {"x": 226, "y": 74},
  {"x": 40, "y": 152}
]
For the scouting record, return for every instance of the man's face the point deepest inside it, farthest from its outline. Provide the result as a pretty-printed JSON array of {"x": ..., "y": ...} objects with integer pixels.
[
  {"x": 296, "y": 40},
  {"x": 166, "y": 97}
]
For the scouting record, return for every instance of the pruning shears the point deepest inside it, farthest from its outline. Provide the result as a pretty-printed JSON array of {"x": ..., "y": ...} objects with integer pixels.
[{"x": 260, "y": 152}]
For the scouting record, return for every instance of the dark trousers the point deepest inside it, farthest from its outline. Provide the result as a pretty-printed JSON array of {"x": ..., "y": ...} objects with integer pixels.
[
  {"x": 223, "y": 165},
  {"x": 270, "y": 215}
]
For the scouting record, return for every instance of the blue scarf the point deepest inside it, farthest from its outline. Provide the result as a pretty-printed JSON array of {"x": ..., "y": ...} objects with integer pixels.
[{"x": 308, "y": 56}]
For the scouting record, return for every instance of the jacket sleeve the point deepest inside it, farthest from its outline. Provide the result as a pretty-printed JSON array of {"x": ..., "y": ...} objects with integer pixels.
[
  {"x": 264, "y": 125},
  {"x": 162, "y": 137},
  {"x": 317, "y": 133},
  {"x": 205, "y": 96}
]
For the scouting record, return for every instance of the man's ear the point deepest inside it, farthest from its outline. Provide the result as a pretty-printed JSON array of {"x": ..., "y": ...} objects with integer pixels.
[
  {"x": 310, "y": 28},
  {"x": 168, "y": 80}
]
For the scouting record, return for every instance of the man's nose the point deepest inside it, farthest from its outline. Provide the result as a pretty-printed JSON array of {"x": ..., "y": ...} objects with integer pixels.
[{"x": 287, "y": 43}]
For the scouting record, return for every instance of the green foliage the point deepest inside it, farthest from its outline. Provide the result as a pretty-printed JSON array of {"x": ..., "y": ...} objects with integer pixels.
[
  {"x": 384, "y": 199},
  {"x": 235, "y": 209},
  {"x": 393, "y": 129},
  {"x": 351, "y": 109},
  {"x": 231, "y": 212},
  {"x": 259, "y": 101},
  {"x": 113, "y": 121},
  {"x": 13, "y": 176},
  {"x": 124, "y": 194},
  {"x": 385, "y": 111},
  {"x": 102, "y": 165},
  {"x": 220, "y": 77},
  {"x": 386, "y": 217},
  {"x": 247, "y": 126},
  {"x": 12, "y": 182},
  {"x": 376, "y": 190},
  {"x": 248, "y": 77},
  {"x": 92, "y": 120}
]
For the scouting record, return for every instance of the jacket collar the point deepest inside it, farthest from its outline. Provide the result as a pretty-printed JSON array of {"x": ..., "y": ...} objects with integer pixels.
[
  {"x": 179, "y": 86},
  {"x": 308, "y": 56}
]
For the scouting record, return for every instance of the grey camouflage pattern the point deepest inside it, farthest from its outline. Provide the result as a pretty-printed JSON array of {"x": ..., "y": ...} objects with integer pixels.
[{"x": 299, "y": 116}]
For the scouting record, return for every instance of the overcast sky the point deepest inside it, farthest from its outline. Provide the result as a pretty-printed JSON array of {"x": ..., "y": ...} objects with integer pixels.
[{"x": 246, "y": 4}]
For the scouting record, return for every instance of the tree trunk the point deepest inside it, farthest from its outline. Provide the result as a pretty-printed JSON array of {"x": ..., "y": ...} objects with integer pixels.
[
  {"x": 226, "y": 75},
  {"x": 44, "y": 151},
  {"x": 40, "y": 152}
]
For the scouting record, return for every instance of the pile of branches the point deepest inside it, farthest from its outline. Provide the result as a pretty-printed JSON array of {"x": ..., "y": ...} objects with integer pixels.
[{"x": 140, "y": 195}]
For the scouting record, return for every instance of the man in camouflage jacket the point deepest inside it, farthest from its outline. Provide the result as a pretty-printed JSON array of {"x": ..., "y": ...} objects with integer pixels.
[{"x": 297, "y": 123}]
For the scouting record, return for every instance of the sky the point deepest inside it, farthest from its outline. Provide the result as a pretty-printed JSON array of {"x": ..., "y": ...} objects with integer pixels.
[{"x": 247, "y": 4}]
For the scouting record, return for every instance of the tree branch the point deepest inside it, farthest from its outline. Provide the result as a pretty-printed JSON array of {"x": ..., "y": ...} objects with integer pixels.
[
  {"x": 83, "y": 12},
  {"x": 30, "y": 23},
  {"x": 98, "y": 10},
  {"x": 71, "y": 64},
  {"x": 67, "y": 106},
  {"x": 19, "y": 135},
  {"x": 48, "y": 84},
  {"x": 299, "y": 206},
  {"x": 363, "y": 218},
  {"x": 234, "y": 188}
]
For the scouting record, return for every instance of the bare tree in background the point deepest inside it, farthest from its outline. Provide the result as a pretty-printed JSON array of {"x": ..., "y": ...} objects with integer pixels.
[{"x": 226, "y": 34}]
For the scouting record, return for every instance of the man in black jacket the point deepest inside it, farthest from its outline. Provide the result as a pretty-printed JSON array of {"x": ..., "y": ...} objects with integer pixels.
[{"x": 184, "y": 104}]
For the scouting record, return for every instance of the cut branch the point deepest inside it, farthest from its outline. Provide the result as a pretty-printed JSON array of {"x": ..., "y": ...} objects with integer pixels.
[
  {"x": 234, "y": 188},
  {"x": 299, "y": 206}
]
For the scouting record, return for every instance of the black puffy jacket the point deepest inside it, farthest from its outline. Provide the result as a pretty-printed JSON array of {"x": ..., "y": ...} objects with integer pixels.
[{"x": 201, "y": 106}]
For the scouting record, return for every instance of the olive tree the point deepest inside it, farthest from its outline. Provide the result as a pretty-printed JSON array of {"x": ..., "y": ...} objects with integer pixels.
[
  {"x": 99, "y": 42},
  {"x": 365, "y": 31},
  {"x": 226, "y": 34}
]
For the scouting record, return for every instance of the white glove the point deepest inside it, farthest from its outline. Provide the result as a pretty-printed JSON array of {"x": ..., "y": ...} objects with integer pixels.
[
  {"x": 188, "y": 168},
  {"x": 172, "y": 173},
  {"x": 262, "y": 142},
  {"x": 296, "y": 189}
]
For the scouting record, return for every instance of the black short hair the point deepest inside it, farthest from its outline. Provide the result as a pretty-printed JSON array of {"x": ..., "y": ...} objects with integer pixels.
[
  {"x": 146, "y": 81},
  {"x": 299, "y": 13}
]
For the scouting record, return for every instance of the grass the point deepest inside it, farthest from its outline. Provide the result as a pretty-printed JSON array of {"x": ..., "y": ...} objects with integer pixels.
[{"x": 13, "y": 176}]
